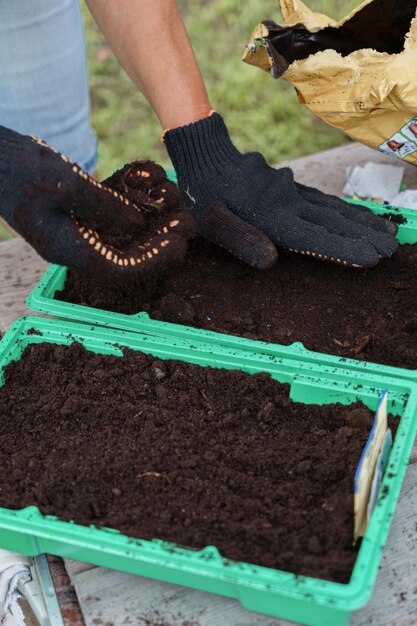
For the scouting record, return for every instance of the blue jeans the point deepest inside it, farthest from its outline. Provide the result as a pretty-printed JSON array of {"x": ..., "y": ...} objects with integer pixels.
[{"x": 43, "y": 76}]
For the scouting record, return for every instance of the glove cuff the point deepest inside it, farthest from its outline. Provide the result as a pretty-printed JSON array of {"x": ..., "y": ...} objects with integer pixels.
[{"x": 199, "y": 148}]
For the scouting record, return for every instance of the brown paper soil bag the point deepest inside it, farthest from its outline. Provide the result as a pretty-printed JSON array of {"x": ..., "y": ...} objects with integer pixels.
[{"x": 358, "y": 75}]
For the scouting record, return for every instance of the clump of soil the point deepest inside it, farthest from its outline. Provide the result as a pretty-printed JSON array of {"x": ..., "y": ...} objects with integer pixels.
[
  {"x": 397, "y": 218},
  {"x": 192, "y": 455},
  {"x": 362, "y": 314}
]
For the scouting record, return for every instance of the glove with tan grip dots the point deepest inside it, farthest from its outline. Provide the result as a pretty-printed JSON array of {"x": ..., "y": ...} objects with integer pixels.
[
  {"x": 71, "y": 219},
  {"x": 243, "y": 204}
]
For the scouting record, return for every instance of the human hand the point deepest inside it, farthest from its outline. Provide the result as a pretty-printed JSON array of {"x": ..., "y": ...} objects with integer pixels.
[
  {"x": 71, "y": 219},
  {"x": 248, "y": 207}
]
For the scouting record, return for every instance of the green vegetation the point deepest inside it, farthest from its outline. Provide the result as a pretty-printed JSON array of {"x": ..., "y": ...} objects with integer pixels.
[{"x": 4, "y": 234}]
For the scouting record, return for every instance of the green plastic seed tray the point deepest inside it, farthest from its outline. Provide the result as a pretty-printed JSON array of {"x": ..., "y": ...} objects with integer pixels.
[
  {"x": 305, "y": 600},
  {"x": 42, "y": 299}
]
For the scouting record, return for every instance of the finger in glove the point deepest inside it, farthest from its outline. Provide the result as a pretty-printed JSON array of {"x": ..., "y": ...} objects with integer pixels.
[
  {"x": 334, "y": 222},
  {"x": 356, "y": 212},
  {"x": 313, "y": 240},
  {"x": 155, "y": 256},
  {"x": 218, "y": 224}
]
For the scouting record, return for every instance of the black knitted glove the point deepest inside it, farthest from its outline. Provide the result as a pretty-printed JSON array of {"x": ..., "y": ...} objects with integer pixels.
[
  {"x": 244, "y": 205},
  {"x": 71, "y": 219}
]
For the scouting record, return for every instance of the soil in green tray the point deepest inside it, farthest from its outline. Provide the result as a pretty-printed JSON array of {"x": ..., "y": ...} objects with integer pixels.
[
  {"x": 362, "y": 314},
  {"x": 193, "y": 455}
]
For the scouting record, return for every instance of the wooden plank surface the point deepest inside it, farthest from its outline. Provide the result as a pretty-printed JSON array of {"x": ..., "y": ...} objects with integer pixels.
[
  {"x": 20, "y": 269},
  {"x": 110, "y": 598}
]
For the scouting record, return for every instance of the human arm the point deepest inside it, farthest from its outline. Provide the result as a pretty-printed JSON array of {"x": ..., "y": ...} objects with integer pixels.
[
  {"x": 237, "y": 200},
  {"x": 151, "y": 43}
]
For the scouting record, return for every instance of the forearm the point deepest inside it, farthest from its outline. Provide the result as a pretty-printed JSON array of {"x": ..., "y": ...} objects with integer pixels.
[{"x": 152, "y": 45}]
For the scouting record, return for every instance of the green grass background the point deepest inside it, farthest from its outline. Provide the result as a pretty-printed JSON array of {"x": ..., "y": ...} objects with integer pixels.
[
  {"x": 3, "y": 233},
  {"x": 262, "y": 114}
]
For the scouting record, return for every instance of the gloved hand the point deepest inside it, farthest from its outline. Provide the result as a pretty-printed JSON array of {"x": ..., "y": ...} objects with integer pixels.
[
  {"x": 71, "y": 219},
  {"x": 246, "y": 206}
]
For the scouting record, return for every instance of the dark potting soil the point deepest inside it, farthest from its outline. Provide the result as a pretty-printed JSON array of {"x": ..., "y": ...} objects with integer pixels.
[
  {"x": 362, "y": 314},
  {"x": 192, "y": 455},
  {"x": 397, "y": 218}
]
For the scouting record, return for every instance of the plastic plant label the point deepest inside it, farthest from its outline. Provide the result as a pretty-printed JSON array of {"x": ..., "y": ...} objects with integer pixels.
[
  {"x": 366, "y": 470},
  {"x": 381, "y": 466}
]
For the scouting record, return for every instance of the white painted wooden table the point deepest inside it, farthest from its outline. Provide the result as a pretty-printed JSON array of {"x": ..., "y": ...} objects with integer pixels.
[{"x": 111, "y": 598}]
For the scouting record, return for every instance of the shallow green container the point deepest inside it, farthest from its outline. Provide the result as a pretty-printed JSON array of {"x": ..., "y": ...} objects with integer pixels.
[
  {"x": 42, "y": 299},
  {"x": 305, "y": 600}
]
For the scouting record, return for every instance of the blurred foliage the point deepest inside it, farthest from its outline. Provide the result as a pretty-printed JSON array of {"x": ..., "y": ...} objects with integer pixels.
[{"x": 4, "y": 233}]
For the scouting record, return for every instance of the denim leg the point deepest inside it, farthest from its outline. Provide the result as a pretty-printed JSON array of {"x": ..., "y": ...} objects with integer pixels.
[{"x": 43, "y": 76}]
